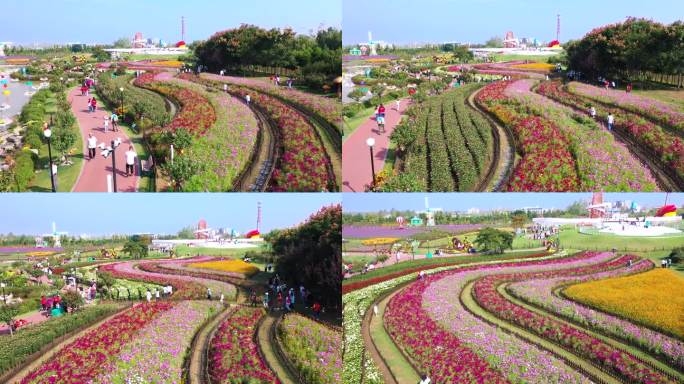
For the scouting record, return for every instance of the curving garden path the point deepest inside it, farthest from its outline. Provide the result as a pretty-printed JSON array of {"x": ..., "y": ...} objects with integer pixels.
[
  {"x": 356, "y": 172},
  {"x": 93, "y": 176}
]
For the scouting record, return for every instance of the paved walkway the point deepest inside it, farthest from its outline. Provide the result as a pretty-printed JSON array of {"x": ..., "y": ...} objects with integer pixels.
[
  {"x": 356, "y": 172},
  {"x": 33, "y": 318},
  {"x": 93, "y": 177}
]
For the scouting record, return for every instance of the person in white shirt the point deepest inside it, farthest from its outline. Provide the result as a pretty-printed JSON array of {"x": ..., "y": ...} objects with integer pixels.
[
  {"x": 611, "y": 120},
  {"x": 92, "y": 145},
  {"x": 248, "y": 98},
  {"x": 225, "y": 87},
  {"x": 592, "y": 112},
  {"x": 156, "y": 294},
  {"x": 424, "y": 379},
  {"x": 130, "y": 161},
  {"x": 398, "y": 104},
  {"x": 54, "y": 174},
  {"x": 106, "y": 123},
  {"x": 148, "y": 296}
]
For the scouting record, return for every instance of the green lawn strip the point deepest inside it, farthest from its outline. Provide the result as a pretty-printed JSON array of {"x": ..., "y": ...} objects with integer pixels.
[
  {"x": 471, "y": 305},
  {"x": 676, "y": 98},
  {"x": 604, "y": 242},
  {"x": 401, "y": 369},
  {"x": 66, "y": 175},
  {"x": 184, "y": 250},
  {"x": 613, "y": 342},
  {"x": 390, "y": 269},
  {"x": 350, "y": 124},
  {"x": 520, "y": 57},
  {"x": 331, "y": 149}
]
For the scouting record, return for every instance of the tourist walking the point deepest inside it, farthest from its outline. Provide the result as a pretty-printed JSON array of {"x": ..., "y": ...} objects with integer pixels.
[
  {"x": 266, "y": 300},
  {"x": 611, "y": 120},
  {"x": 93, "y": 104},
  {"x": 289, "y": 83},
  {"x": 105, "y": 124},
  {"x": 248, "y": 98},
  {"x": 221, "y": 299},
  {"x": 130, "y": 161},
  {"x": 280, "y": 300},
  {"x": 92, "y": 145},
  {"x": 288, "y": 304},
  {"x": 397, "y": 103},
  {"x": 208, "y": 293},
  {"x": 148, "y": 296},
  {"x": 592, "y": 112},
  {"x": 629, "y": 88},
  {"x": 43, "y": 302},
  {"x": 115, "y": 122},
  {"x": 317, "y": 310},
  {"x": 225, "y": 88},
  {"x": 90, "y": 104}
]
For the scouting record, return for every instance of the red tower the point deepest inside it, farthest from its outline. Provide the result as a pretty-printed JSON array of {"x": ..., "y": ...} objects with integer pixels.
[
  {"x": 201, "y": 232},
  {"x": 596, "y": 199}
]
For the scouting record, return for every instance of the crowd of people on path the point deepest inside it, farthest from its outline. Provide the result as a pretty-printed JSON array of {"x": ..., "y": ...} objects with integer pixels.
[
  {"x": 278, "y": 297},
  {"x": 157, "y": 294}
]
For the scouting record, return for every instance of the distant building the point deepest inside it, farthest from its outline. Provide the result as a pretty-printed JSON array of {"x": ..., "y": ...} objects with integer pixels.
[
  {"x": 138, "y": 40},
  {"x": 511, "y": 41}
]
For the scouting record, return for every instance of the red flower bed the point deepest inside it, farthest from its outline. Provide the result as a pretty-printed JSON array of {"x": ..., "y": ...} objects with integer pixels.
[
  {"x": 233, "y": 353},
  {"x": 547, "y": 164},
  {"x": 621, "y": 363},
  {"x": 346, "y": 288},
  {"x": 419, "y": 334},
  {"x": 196, "y": 114},
  {"x": 183, "y": 290},
  {"x": 83, "y": 360},
  {"x": 303, "y": 165},
  {"x": 668, "y": 146}
]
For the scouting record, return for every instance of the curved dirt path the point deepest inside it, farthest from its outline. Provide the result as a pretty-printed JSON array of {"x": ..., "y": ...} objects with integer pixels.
[
  {"x": 504, "y": 159},
  {"x": 265, "y": 338},
  {"x": 615, "y": 343},
  {"x": 356, "y": 172},
  {"x": 198, "y": 360},
  {"x": 583, "y": 365},
  {"x": 93, "y": 176},
  {"x": 382, "y": 351}
]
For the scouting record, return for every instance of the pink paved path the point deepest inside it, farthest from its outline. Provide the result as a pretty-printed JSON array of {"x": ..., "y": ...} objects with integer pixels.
[
  {"x": 356, "y": 172},
  {"x": 93, "y": 177},
  {"x": 32, "y": 317}
]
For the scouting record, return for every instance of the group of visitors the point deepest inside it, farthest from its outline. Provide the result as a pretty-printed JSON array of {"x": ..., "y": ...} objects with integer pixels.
[
  {"x": 666, "y": 263},
  {"x": 279, "y": 297},
  {"x": 275, "y": 79},
  {"x": 610, "y": 119}
]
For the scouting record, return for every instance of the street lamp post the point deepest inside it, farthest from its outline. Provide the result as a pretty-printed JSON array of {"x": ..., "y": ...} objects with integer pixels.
[
  {"x": 47, "y": 132},
  {"x": 371, "y": 142},
  {"x": 122, "y": 100},
  {"x": 112, "y": 151}
]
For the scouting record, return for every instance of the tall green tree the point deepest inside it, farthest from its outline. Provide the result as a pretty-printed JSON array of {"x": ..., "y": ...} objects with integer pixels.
[{"x": 494, "y": 240}]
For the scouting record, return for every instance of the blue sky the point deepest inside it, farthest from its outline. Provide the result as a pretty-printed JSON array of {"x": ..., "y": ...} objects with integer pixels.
[
  {"x": 102, "y": 213},
  {"x": 406, "y": 21},
  {"x": 355, "y": 202},
  {"x": 61, "y": 21}
]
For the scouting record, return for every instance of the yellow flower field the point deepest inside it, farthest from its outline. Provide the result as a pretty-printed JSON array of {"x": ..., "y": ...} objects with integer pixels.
[
  {"x": 541, "y": 66},
  {"x": 380, "y": 241},
  {"x": 236, "y": 266},
  {"x": 652, "y": 298},
  {"x": 167, "y": 63}
]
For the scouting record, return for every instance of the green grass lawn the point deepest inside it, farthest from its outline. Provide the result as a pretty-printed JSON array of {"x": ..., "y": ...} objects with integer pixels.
[
  {"x": 570, "y": 238},
  {"x": 350, "y": 124},
  {"x": 674, "y": 97},
  {"x": 139, "y": 56},
  {"x": 184, "y": 250},
  {"x": 516, "y": 57}
]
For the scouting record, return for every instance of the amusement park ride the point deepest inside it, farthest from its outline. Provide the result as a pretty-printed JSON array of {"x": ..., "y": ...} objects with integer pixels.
[{"x": 608, "y": 217}]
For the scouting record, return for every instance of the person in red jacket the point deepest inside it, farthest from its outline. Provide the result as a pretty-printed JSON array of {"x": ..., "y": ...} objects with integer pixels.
[
  {"x": 43, "y": 302},
  {"x": 317, "y": 309},
  {"x": 93, "y": 104}
]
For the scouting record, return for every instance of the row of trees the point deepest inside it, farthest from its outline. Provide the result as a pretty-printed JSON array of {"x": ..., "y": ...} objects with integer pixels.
[
  {"x": 311, "y": 254},
  {"x": 318, "y": 58},
  {"x": 636, "y": 49}
]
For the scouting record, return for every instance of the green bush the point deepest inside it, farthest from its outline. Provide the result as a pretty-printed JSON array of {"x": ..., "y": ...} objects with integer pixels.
[
  {"x": 14, "y": 350},
  {"x": 23, "y": 170}
]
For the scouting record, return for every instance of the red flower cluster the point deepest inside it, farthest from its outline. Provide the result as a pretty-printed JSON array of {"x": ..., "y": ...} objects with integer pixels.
[
  {"x": 547, "y": 164},
  {"x": 669, "y": 147},
  {"x": 83, "y": 360},
  {"x": 233, "y": 353}
]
